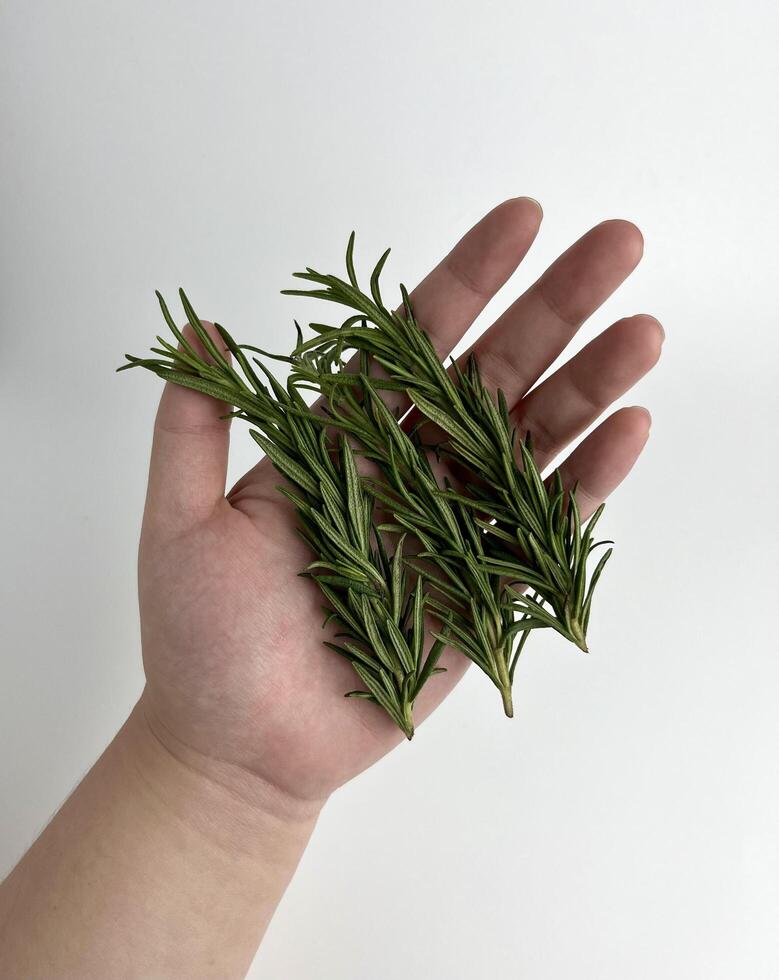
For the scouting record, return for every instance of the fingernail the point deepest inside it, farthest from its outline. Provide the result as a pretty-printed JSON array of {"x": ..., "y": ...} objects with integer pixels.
[
  {"x": 662, "y": 328},
  {"x": 647, "y": 414},
  {"x": 537, "y": 204}
]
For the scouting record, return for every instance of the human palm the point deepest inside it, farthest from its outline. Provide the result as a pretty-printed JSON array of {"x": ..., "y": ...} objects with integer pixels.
[{"x": 237, "y": 674}]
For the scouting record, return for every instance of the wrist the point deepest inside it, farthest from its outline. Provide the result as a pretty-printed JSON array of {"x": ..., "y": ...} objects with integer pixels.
[
  {"x": 228, "y": 805},
  {"x": 154, "y": 866},
  {"x": 222, "y": 843}
]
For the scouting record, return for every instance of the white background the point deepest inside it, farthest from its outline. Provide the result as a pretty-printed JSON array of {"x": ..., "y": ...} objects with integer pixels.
[{"x": 626, "y": 824}]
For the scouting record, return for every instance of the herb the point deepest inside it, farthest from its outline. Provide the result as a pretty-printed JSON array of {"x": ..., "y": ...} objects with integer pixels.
[{"x": 464, "y": 554}]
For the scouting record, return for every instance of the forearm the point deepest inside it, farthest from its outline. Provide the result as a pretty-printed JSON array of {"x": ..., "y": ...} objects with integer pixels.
[{"x": 151, "y": 868}]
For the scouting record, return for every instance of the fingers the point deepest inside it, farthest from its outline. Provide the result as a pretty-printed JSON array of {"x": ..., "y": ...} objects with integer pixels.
[
  {"x": 602, "y": 461},
  {"x": 570, "y": 400},
  {"x": 533, "y": 331},
  {"x": 449, "y": 299},
  {"x": 536, "y": 327},
  {"x": 189, "y": 453}
]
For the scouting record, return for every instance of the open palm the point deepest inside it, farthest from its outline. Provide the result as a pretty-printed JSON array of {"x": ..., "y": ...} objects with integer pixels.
[{"x": 237, "y": 675}]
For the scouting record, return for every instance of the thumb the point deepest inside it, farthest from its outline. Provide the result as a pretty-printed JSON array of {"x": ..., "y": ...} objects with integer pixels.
[{"x": 188, "y": 465}]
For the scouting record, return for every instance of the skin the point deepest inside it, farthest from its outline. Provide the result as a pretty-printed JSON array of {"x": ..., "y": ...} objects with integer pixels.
[{"x": 186, "y": 832}]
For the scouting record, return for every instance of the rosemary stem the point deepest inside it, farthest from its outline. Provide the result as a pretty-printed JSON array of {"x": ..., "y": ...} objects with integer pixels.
[
  {"x": 508, "y": 701},
  {"x": 408, "y": 720},
  {"x": 504, "y": 680}
]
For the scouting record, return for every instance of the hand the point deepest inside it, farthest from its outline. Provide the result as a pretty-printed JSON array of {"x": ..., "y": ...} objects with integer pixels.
[
  {"x": 192, "y": 822},
  {"x": 238, "y": 679}
]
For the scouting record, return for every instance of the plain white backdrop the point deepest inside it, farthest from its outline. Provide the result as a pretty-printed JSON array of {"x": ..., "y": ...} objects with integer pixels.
[{"x": 626, "y": 823}]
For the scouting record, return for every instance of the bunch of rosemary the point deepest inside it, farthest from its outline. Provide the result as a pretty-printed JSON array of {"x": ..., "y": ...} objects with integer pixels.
[{"x": 463, "y": 555}]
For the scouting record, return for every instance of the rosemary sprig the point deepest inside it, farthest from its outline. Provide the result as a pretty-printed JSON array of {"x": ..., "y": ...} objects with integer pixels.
[
  {"x": 369, "y": 594},
  {"x": 549, "y": 548},
  {"x": 473, "y": 598}
]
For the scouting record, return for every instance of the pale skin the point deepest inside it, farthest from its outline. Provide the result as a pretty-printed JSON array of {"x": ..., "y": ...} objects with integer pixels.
[{"x": 169, "y": 859}]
